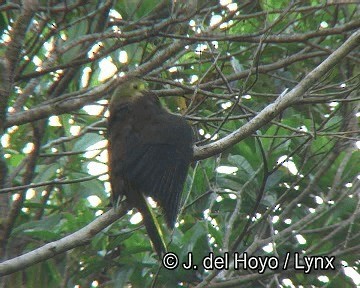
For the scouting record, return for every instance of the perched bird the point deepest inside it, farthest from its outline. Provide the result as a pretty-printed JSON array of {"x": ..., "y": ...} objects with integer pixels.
[{"x": 150, "y": 151}]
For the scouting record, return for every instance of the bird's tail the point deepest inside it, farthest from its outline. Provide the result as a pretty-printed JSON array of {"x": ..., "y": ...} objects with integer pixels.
[{"x": 152, "y": 227}]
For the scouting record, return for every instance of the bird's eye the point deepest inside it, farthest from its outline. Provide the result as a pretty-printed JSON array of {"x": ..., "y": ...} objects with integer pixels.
[{"x": 135, "y": 86}]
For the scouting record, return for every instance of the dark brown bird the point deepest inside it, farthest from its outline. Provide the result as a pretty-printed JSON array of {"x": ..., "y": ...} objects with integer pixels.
[{"x": 150, "y": 151}]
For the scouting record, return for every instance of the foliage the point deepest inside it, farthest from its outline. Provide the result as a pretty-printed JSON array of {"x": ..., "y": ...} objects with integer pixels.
[{"x": 291, "y": 186}]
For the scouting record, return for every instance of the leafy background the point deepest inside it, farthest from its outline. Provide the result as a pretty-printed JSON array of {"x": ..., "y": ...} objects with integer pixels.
[{"x": 292, "y": 186}]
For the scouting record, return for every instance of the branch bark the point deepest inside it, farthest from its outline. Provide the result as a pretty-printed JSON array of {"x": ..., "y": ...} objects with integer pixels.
[
  {"x": 18, "y": 34},
  {"x": 78, "y": 238}
]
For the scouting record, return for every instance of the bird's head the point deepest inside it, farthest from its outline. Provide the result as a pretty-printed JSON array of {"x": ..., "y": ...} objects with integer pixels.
[{"x": 128, "y": 91}]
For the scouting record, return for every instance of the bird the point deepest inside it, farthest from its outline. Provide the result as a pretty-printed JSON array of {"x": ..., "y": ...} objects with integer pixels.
[{"x": 150, "y": 151}]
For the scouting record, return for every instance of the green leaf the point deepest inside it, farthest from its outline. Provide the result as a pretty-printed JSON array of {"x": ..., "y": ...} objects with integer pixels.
[
  {"x": 47, "y": 224},
  {"x": 44, "y": 235},
  {"x": 86, "y": 141}
]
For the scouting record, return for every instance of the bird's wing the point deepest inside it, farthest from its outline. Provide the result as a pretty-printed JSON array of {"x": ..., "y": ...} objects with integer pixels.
[{"x": 159, "y": 171}]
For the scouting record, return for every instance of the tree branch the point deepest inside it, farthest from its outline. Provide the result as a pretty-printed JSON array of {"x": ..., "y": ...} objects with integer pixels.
[
  {"x": 283, "y": 38},
  {"x": 18, "y": 34},
  {"x": 78, "y": 238}
]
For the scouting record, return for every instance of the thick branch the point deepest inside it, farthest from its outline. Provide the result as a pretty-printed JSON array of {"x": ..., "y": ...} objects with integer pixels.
[
  {"x": 18, "y": 34},
  {"x": 78, "y": 238}
]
